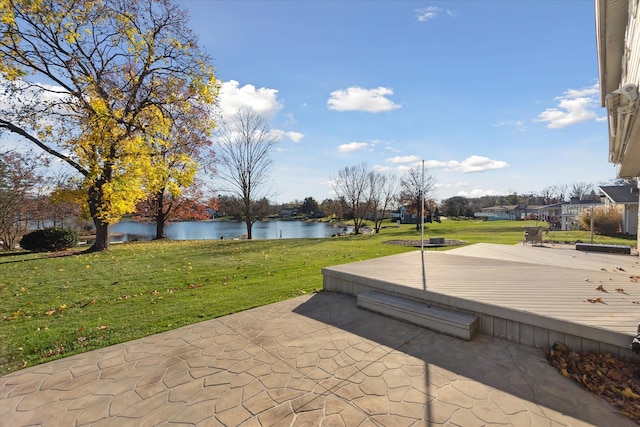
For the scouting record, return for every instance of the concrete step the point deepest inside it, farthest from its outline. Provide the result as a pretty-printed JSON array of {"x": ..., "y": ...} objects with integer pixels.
[{"x": 449, "y": 322}]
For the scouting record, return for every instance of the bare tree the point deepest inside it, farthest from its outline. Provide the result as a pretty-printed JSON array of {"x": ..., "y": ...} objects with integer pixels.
[
  {"x": 580, "y": 190},
  {"x": 382, "y": 192},
  {"x": 244, "y": 153},
  {"x": 333, "y": 208},
  {"x": 352, "y": 183},
  {"x": 19, "y": 178},
  {"x": 414, "y": 188}
]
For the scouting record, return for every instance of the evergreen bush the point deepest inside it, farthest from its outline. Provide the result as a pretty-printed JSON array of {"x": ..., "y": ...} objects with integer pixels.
[{"x": 49, "y": 240}]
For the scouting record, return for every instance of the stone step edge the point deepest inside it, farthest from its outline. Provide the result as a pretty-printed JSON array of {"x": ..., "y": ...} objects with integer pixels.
[{"x": 438, "y": 319}]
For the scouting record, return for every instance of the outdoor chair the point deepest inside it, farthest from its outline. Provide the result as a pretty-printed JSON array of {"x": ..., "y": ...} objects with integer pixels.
[{"x": 533, "y": 235}]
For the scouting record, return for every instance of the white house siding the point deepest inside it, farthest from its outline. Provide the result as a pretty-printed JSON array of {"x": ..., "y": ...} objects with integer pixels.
[
  {"x": 571, "y": 212},
  {"x": 631, "y": 65}
]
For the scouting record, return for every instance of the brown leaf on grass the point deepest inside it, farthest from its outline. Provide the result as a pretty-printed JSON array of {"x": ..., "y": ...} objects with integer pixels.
[{"x": 102, "y": 327}]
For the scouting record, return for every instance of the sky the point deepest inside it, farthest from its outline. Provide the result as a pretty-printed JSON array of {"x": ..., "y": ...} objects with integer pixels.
[{"x": 495, "y": 97}]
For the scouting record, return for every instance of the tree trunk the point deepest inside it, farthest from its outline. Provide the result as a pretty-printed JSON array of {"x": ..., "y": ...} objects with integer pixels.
[
  {"x": 102, "y": 237},
  {"x": 249, "y": 227},
  {"x": 160, "y": 216},
  {"x": 160, "y": 234},
  {"x": 102, "y": 228}
]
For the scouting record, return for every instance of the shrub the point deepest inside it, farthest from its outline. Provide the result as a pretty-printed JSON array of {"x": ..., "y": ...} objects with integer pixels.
[
  {"x": 607, "y": 221},
  {"x": 49, "y": 240}
]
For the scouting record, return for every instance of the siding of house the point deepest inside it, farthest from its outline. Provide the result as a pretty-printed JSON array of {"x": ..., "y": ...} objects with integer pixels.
[{"x": 571, "y": 212}]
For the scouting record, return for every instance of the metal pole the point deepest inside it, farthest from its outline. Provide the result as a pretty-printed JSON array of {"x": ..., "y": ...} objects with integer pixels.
[
  {"x": 422, "y": 209},
  {"x": 592, "y": 225},
  {"x": 424, "y": 273}
]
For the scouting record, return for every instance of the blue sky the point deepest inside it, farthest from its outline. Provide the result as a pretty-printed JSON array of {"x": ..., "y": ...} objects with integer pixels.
[{"x": 495, "y": 96}]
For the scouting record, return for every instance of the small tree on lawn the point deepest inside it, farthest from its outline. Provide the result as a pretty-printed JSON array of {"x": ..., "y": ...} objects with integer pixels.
[
  {"x": 352, "y": 183},
  {"x": 244, "y": 149}
]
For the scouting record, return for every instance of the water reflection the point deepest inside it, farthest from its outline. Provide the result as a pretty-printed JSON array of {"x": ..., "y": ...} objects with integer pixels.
[{"x": 210, "y": 230}]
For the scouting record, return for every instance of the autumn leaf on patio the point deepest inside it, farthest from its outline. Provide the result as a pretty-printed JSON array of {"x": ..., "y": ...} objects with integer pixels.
[
  {"x": 593, "y": 301},
  {"x": 601, "y": 288}
]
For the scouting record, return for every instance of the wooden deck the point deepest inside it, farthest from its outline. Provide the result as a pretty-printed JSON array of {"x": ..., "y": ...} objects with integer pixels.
[{"x": 535, "y": 295}]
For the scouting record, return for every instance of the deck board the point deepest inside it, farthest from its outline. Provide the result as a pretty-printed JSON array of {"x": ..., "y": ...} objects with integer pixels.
[{"x": 543, "y": 281}]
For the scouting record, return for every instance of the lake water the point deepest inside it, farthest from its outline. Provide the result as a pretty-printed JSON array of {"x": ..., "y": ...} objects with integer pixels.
[{"x": 210, "y": 230}]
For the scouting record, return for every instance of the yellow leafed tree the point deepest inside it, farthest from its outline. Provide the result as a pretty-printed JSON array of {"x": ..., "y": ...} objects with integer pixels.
[{"x": 102, "y": 85}]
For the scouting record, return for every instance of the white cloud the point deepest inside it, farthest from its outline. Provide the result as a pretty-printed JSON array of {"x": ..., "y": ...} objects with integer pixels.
[
  {"x": 295, "y": 136},
  {"x": 361, "y": 99},
  {"x": 281, "y": 134},
  {"x": 403, "y": 159},
  {"x": 452, "y": 185},
  {"x": 479, "y": 192},
  {"x": 428, "y": 13},
  {"x": 381, "y": 168},
  {"x": 469, "y": 165},
  {"x": 518, "y": 124},
  {"x": 352, "y": 146},
  {"x": 291, "y": 120},
  {"x": 574, "y": 106},
  {"x": 264, "y": 101}
]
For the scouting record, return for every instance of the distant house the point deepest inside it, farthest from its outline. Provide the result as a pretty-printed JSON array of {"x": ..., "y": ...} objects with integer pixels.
[
  {"x": 552, "y": 214},
  {"x": 511, "y": 212},
  {"x": 289, "y": 212},
  {"x": 570, "y": 213},
  {"x": 406, "y": 217},
  {"x": 625, "y": 197}
]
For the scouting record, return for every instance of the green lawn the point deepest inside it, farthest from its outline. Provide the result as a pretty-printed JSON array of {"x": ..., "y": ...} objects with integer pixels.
[{"x": 54, "y": 307}]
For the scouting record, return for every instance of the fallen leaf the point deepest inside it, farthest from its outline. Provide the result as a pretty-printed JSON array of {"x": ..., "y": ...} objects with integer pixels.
[
  {"x": 102, "y": 327},
  {"x": 601, "y": 288},
  {"x": 627, "y": 392}
]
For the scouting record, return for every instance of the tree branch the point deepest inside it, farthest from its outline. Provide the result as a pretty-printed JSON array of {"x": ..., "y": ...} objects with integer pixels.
[{"x": 18, "y": 130}]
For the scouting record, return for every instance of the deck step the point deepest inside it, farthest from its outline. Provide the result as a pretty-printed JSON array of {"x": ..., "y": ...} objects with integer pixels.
[
  {"x": 449, "y": 322},
  {"x": 596, "y": 247}
]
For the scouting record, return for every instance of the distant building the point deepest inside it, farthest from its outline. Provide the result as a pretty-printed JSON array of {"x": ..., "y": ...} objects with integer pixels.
[
  {"x": 289, "y": 212},
  {"x": 624, "y": 197},
  {"x": 570, "y": 214}
]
